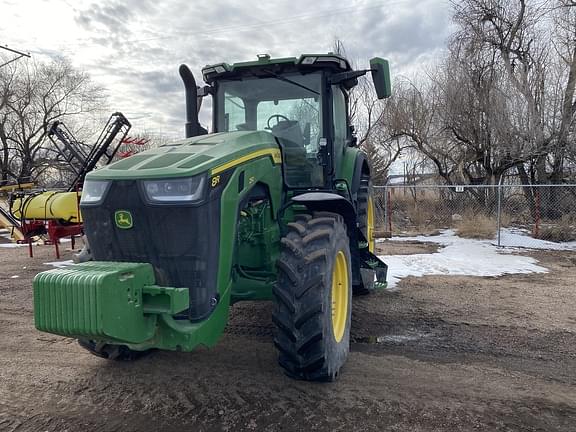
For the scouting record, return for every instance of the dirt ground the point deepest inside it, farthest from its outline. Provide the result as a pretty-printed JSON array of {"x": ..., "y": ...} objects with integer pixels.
[{"x": 444, "y": 353}]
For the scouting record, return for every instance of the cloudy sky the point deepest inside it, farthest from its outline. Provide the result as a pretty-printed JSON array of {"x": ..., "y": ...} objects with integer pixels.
[{"x": 134, "y": 47}]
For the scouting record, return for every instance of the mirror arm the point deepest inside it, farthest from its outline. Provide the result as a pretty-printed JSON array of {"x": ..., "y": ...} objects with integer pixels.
[
  {"x": 205, "y": 91},
  {"x": 350, "y": 79},
  {"x": 202, "y": 92}
]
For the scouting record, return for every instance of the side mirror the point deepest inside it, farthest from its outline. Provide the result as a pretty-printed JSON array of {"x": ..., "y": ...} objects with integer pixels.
[{"x": 381, "y": 77}]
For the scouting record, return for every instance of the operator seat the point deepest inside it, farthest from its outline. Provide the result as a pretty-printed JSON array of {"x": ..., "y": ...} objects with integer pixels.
[{"x": 291, "y": 139}]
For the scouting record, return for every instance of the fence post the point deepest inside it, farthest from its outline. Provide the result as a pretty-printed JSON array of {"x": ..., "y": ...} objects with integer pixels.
[
  {"x": 389, "y": 198},
  {"x": 499, "y": 210},
  {"x": 537, "y": 216},
  {"x": 385, "y": 208}
]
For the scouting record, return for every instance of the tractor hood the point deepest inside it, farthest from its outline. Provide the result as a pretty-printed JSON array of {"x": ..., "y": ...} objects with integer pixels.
[
  {"x": 212, "y": 153},
  {"x": 179, "y": 239}
]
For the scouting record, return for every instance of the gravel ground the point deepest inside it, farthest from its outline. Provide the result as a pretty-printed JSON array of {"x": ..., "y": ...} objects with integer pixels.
[{"x": 443, "y": 353}]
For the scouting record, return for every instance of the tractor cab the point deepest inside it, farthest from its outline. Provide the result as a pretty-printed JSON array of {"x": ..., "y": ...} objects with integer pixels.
[
  {"x": 301, "y": 101},
  {"x": 290, "y": 108}
]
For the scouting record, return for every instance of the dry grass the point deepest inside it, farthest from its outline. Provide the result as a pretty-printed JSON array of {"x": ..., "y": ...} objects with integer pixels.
[
  {"x": 562, "y": 231},
  {"x": 425, "y": 231},
  {"x": 427, "y": 217},
  {"x": 476, "y": 226}
]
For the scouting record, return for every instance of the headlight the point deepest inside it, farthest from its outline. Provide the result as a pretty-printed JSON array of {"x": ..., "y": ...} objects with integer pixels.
[
  {"x": 93, "y": 191},
  {"x": 188, "y": 189}
]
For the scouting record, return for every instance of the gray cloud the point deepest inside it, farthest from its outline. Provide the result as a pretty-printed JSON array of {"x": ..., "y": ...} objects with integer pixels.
[
  {"x": 112, "y": 18},
  {"x": 134, "y": 47}
]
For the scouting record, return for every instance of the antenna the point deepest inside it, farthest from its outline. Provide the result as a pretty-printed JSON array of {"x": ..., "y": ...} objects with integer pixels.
[{"x": 19, "y": 53}]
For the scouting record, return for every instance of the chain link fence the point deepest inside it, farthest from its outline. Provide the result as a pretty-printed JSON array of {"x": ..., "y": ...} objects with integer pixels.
[{"x": 509, "y": 214}]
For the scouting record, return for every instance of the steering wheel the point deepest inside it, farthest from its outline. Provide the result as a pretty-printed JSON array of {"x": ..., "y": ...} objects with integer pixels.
[{"x": 279, "y": 117}]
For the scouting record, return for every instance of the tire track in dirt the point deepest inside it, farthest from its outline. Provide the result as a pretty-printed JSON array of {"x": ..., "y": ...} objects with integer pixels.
[{"x": 444, "y": 363}]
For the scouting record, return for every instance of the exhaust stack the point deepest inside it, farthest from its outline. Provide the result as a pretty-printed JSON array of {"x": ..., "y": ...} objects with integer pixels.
[{"x": 192, "y": 127}]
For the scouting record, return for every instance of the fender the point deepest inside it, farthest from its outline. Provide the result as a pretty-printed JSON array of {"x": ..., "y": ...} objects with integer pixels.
[
  {"x": 360, "y": 165},
  {"x": 330, "y": 202},
  {"x": 362, "y": 258}
]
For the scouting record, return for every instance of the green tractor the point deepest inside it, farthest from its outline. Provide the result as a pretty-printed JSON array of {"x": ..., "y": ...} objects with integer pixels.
[{"x": 275, "y": 204}]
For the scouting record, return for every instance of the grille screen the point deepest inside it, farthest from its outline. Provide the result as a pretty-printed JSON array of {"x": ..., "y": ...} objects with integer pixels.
[{"x": 181, "y": 242}]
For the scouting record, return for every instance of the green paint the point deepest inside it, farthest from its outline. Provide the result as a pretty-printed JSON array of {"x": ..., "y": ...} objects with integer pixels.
[
  {"x": 100, "y": 300},
  {"x": 195, "y": 156},
  {"x": 349, "y": 163}
]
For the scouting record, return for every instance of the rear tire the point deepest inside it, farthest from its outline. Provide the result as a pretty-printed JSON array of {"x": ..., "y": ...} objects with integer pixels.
[
  {"x": 111, "y": 352},
  {"x": 313, "y": 298}
]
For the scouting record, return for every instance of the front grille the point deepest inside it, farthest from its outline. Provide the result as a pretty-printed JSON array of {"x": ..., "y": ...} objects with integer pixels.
[{"x": 180, "y": 241}]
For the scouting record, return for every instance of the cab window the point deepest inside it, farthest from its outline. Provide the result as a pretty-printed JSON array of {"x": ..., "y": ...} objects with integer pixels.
[{"x": 288, "y": 107}]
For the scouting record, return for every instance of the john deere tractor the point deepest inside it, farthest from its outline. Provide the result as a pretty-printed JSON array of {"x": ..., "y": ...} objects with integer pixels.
[{"x": 275, "y": 204}]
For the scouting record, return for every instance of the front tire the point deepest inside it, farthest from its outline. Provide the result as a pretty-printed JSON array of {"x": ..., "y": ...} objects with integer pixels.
[{"x": 313, "y": 298}]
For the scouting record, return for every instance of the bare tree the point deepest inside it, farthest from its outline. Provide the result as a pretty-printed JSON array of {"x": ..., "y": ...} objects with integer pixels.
[
  {"x": 412, "y": 117},
  {"x": 141, "y": 141},
  {"x": 535, "y": 46},
  {"x": 519, "y": 33},
  {"x": 32, "y": 96},
  {"x": 366, "y": 114},
  {"x": 565, "y": 46},
  {"x": 381, "y": 145}
]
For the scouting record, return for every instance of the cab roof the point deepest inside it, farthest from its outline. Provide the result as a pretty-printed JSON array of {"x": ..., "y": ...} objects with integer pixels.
[{"x": 306, "y": 62}]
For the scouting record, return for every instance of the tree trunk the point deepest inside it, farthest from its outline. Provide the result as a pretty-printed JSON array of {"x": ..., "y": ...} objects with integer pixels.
[{"x": 528, "y": 190}]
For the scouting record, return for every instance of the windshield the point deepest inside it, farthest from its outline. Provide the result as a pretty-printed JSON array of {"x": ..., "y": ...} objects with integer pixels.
[{"x": 287, "y": 106}]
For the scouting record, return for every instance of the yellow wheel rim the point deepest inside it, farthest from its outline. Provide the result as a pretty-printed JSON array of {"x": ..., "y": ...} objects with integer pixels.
[
  {"x": 370, "y": 225},
  {"x": 340, "y": 289}
]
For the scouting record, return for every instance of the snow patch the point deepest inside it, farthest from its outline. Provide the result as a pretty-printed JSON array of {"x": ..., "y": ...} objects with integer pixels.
[
  {"x": 4, "y": 233},
  {"x": 515, "y": 237},
  {"x": 60, "y": 264},
  {"x": 459, "y": 256},
  {"x": 12, "y": 245}
]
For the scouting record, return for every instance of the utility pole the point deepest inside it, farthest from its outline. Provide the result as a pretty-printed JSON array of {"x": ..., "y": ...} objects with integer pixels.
[{"x": 19, "y": 55}]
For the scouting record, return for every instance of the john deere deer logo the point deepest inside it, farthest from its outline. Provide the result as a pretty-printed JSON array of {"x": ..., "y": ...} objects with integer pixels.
[{"x": 123, "y": 219}]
